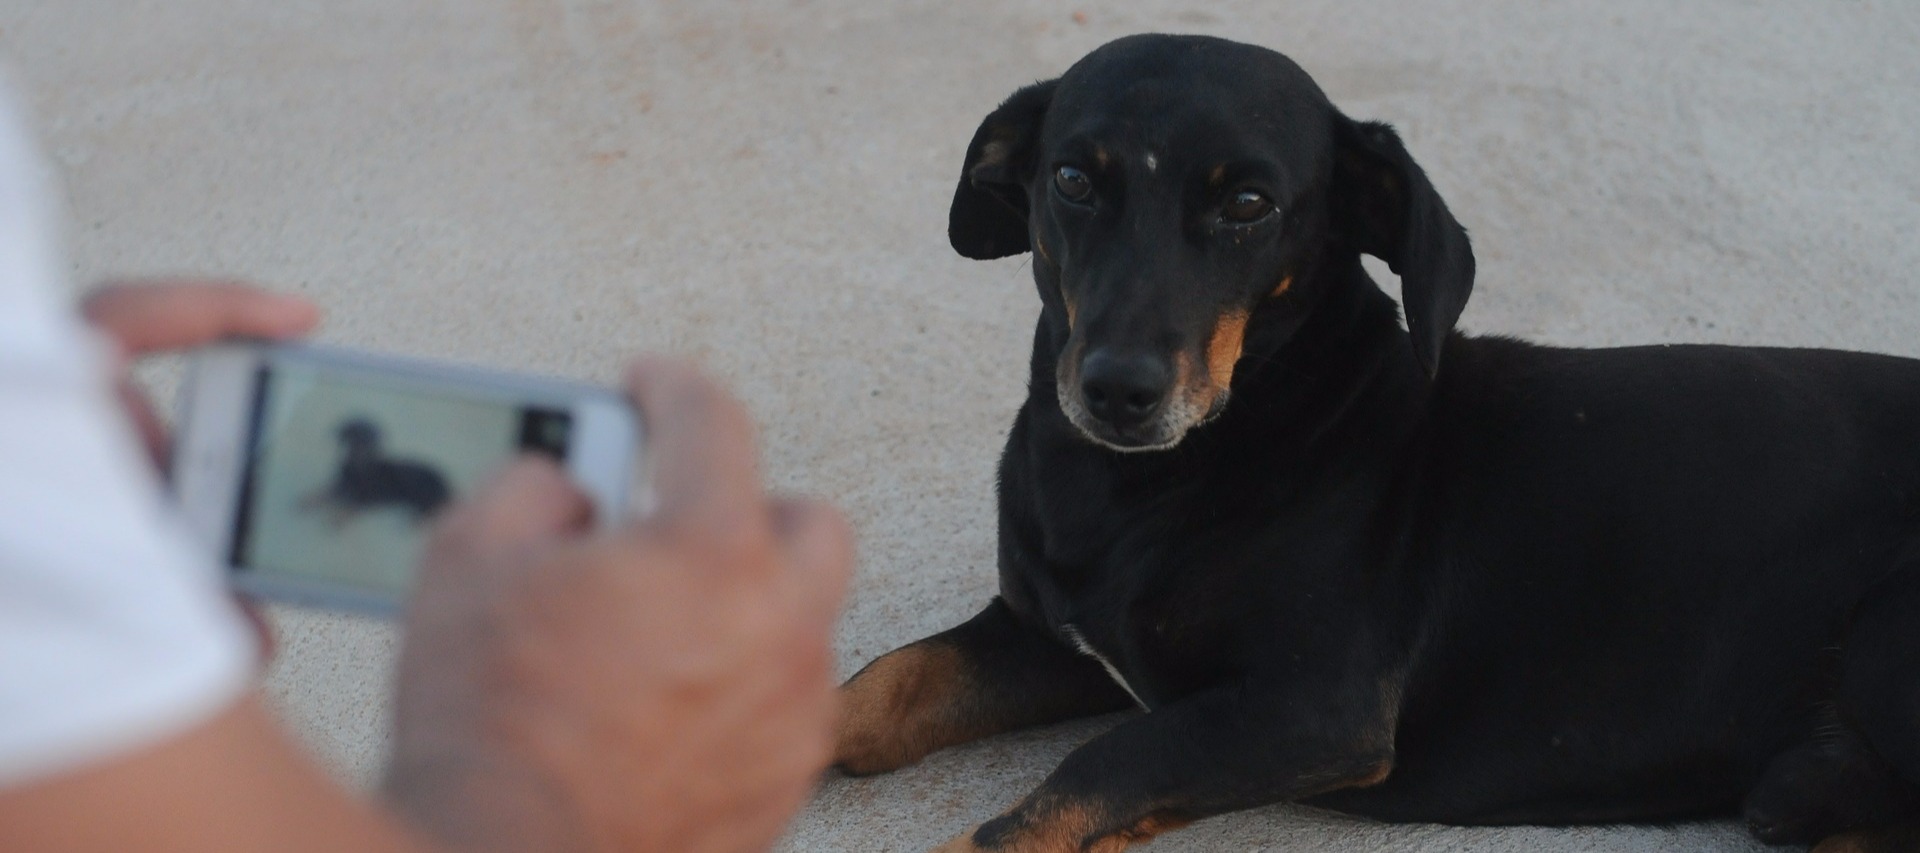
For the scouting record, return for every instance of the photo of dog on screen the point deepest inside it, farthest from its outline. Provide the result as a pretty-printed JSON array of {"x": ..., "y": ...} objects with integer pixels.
[
  {"x": 367, "y": 478},
  {"x": 348, "y": 475}
]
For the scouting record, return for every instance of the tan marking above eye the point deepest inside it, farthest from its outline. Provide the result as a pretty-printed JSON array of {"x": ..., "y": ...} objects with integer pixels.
[
  {"x": 1100, "y": 156},
  {"x": 1223, "y": 351},
  {"x": 1281, "y": 289},
  {"x": 1218, "y": 177}
]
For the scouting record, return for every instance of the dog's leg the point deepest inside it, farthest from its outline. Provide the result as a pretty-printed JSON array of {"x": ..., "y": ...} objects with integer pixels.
[
  {"x": 991, "y": 674},
  {"x": 1226, "y": 749},
  {"x": 1830, "y": 784},
  {"x": 1894, "y": 840},
  {"x": 1880, "y": 666}
]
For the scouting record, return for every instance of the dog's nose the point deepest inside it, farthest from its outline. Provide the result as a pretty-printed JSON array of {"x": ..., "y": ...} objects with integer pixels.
[{"x": 1123, "y": 389}]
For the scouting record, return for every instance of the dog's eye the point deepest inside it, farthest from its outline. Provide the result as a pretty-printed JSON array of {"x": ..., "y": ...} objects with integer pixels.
[
  {"x": 1072, "y": 183},
  {"x": 1245, "y": 207}
]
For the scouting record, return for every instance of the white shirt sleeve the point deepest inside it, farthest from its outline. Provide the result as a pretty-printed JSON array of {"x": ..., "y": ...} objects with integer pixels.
[{"x": 115, "y": 632}]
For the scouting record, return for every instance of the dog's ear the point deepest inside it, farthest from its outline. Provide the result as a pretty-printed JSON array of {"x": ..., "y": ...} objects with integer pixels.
[
  {"x": 1384, "y": 206},
  {"x": 989, "y": 215}
]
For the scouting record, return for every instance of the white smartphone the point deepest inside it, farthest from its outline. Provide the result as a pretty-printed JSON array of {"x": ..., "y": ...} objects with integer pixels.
[{"x": 313, "y": 472}]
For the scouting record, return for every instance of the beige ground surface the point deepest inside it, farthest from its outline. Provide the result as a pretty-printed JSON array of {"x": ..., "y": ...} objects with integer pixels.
[{"x": 554, "y": 184}]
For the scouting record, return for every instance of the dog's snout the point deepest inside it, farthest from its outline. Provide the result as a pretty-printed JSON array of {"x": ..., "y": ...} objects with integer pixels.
[{"x": 1124, "y": 389}]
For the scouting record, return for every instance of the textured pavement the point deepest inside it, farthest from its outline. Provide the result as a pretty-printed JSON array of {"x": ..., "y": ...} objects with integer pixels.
[{"x": 556, "y": 184}]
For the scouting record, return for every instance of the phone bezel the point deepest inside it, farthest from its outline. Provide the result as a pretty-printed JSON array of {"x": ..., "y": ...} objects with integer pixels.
[{"x": 221, "y": 401}]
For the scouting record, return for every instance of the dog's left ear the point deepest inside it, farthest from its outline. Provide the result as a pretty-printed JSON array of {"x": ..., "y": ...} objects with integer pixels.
[
  {"x": 1384, "y": 206},
  {"x": 989, "y": 215}
]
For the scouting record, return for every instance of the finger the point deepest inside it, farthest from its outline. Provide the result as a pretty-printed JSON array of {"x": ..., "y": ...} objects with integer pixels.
[
  {"x": 147, "y": 423},
  {"x": 256, "y": 617},
  {"x": 531, "y": 500},
  {"x": 147, "y": 318},
  {"x": 819, "y": 544},
  {"x": 700, "y": 444}
]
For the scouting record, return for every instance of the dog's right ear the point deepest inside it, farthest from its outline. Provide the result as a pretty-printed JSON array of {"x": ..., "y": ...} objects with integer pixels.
[{"x": 989, "y": 215}]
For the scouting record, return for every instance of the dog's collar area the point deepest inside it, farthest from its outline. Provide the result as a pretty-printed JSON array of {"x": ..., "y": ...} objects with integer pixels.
[{"x": 1080, "y": 644}]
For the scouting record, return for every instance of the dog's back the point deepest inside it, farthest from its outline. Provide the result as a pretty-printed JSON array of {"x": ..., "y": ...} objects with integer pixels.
[
  {"x": 1652, "y": 555},
  {"x": 370, "y": 483}
]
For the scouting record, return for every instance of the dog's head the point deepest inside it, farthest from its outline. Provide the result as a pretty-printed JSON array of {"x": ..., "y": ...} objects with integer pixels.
[
  {"x": 358, "y": 435},
  {"x": 1178, "y": 193}
]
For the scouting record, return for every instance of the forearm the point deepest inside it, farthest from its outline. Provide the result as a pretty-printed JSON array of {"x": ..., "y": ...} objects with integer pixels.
[{"x": 234, "y": 783}]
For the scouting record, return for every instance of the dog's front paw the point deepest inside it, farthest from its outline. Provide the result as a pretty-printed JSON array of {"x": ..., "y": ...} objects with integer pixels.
[
  {"x": 1061, "y": 828},
  {"x": 963, "y": 844},
  {"x": 1036, "y": 844},
  {"x": 1893, "y": 840}
]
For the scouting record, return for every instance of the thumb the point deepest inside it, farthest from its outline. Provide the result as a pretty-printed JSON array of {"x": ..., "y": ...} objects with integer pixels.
[{"x": 529, "y": 501}]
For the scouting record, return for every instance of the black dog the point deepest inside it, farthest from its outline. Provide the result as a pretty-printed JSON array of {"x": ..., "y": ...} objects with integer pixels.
[
  {"x": 1400, "y": 573},
  {"x": 367, "y": 479}
]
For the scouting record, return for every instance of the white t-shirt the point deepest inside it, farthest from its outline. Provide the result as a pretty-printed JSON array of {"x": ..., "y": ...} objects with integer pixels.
[{"x": 115, "y": 632}]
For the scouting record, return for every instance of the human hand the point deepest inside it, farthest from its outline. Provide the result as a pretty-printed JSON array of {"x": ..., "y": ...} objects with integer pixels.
[
  {"x": 665, "y": 686},
  {"x": 154, "y": 317}
]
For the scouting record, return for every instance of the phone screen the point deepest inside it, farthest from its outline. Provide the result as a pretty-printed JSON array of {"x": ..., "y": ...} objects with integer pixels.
[{"x": 347, "y": 469}]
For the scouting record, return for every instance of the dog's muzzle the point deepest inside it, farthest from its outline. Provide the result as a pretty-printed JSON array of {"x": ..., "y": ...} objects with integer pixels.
[{"x": 1132, "y": 401}]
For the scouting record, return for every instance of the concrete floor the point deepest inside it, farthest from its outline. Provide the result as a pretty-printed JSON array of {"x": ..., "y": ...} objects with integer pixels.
[{"x": 555, "y": 184}]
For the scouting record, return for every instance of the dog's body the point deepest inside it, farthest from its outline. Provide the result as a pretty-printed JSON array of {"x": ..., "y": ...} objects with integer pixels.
[
  {"x": 368, "y": 479},
  {"x": 1401, "y": 573}
]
